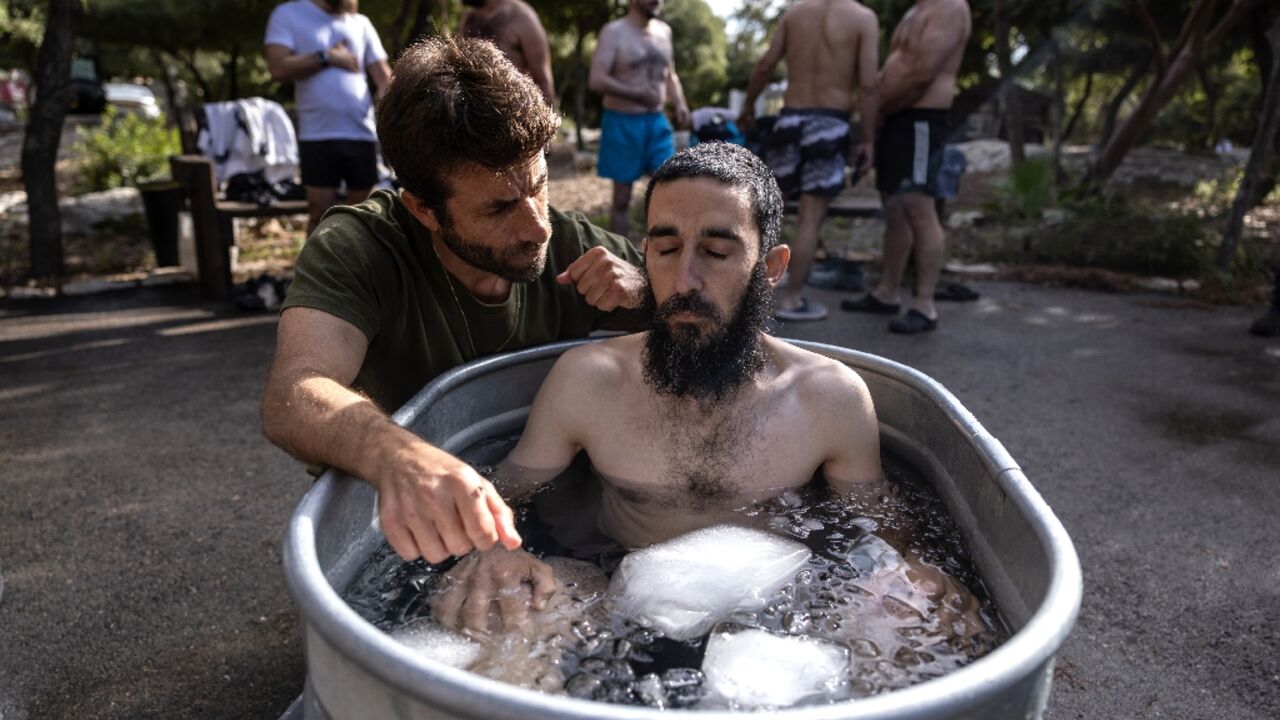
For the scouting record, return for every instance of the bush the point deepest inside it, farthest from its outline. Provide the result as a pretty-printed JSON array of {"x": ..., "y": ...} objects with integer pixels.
[
  {"x": 1114, "y": 235},
  {"x": 125, "y": 150},
  {"x": 1028, "y": 190}
]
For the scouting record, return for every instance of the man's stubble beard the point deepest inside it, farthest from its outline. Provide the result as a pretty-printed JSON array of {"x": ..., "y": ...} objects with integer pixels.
[
  {"x": 686, "y": 363},
  {"x": 511, "y": 265}
]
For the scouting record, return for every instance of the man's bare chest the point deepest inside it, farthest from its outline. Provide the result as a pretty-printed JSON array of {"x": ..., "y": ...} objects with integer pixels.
[{"x": 692, "y": 461}]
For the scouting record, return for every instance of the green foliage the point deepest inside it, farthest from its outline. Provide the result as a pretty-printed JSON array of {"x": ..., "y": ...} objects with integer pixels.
[
  {"x": 1029, "y": 189},
  {"x": 699, "y": 48},
  {"x": 1111, "y": 234},
  {"x": 125, "y": 150}
]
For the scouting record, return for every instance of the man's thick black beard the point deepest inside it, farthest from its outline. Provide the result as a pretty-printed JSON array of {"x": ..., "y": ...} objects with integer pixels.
[
  {"x": 487, "y": 259},
  {"x": 686, "y": 364}
]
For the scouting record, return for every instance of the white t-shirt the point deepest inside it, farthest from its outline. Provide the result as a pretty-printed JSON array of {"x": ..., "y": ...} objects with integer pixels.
[{"x": 333, "y": 104}]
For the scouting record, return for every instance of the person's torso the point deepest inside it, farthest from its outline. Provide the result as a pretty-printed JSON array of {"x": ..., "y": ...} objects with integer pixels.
[
  {"x": 823, "y": 46},
  {"x": 333, "y": 104},
  {"x": 907, "y": 39},
  {"x": 644, "y": 57},
  {"x": 666, "y": 470},
  {"x": 502, "y": 28}
]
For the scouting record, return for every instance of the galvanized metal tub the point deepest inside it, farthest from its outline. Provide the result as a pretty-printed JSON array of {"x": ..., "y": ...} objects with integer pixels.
[{"x": 1021, "y": 550}]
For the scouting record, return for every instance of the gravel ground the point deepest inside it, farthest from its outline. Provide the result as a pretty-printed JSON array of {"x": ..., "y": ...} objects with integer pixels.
[{"x": 142, "y": 517}]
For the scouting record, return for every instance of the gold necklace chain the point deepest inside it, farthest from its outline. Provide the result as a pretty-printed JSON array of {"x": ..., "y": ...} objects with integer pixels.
[{"x": 515, "y": 324}]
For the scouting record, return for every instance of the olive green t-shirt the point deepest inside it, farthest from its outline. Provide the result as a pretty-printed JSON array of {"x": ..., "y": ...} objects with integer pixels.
[{"x": 372, "y": 265}]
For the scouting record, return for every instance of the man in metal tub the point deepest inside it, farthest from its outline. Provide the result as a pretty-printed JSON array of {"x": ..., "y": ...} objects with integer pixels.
[
  {"x": 722, "y": 416},
  {"x": 467, "y": 260}
]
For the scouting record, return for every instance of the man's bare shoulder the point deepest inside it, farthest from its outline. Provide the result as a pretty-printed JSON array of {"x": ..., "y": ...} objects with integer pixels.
[
  {"x": 525, "y": 12},
  {"x": 599, "y": 364},
  {"x": 949, "y": 10},
  {"x": 817, "y": 376}
]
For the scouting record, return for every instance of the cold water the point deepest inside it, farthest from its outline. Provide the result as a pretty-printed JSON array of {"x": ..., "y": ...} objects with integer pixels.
[{"x": 886, "y": 598}]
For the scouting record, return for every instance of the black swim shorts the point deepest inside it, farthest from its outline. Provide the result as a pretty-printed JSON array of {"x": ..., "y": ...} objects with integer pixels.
[
  {"x": 909, "y": 151},
  {"x": 327, "y": 163}
]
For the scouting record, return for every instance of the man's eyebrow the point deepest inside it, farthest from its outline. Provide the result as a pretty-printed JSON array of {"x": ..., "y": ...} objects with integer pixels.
[
  {"x": 662, "y": 230},
  {"x": 723, "y": 234},
  {"x": 504, "y": 203}
]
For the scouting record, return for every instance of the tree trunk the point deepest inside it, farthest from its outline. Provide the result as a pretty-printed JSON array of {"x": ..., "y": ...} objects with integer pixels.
[
  {"x": 1008, "y": 90},
  {"x": 206, "y": 92},
  {"x": 1059, "y": 109},
  {"x": 424, "y": 22},
  {"x": 1261, "y": 157},
  {"x": 233, "y": 76},
  {"x": 1114, "y": 107},
  {"x": 44, "y": 133},
  {"x": 1211, "y": 95},
  {"x": 1194, "y": 38},
  {"x": 1078, "y": 111},
  {"x": 1263, "y": 56},
  {"x": 401, "y": 23},
  {"x": 166, "y": 79},
  {"x": 579, "y": 89}
]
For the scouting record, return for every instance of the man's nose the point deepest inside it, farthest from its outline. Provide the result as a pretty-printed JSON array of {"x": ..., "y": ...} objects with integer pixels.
[
  {"x": 533, "y": 223},
  {"x": 688, "y": 276}
]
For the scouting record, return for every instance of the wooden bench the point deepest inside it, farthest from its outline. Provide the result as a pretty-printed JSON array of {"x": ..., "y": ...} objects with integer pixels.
[{"x": 213, "y": 219}]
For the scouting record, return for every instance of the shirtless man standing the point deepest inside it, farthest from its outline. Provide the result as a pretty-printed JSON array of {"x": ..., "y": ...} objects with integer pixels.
[
  {"x": 633, "y": 68},
  {"x": 831, "y": 49},
  {"x": 917, "y": 86},
  {"x": 515, "y": 28}
]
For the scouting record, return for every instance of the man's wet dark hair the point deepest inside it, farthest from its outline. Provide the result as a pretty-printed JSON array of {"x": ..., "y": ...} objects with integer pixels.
[
  {"x": 454, "y": 101},
  {"x": 737, "y": 167}
]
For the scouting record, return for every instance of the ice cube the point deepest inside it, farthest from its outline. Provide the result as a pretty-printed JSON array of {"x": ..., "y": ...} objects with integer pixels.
[
  {"x": 750, "y": 668},
  {"x": 686, "y": 585}
]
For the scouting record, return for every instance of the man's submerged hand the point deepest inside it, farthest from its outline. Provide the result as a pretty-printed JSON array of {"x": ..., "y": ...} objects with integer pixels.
[
  {"x": 515, "y": 580},
  {"x": 433, "y": 505},
  {"x": 605, "y": 280}
]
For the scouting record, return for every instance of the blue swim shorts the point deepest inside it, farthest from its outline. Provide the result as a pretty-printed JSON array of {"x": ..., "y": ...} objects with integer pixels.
[{"x": 633, "y": 145}]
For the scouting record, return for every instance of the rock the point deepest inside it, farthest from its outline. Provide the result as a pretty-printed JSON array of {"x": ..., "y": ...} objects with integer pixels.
[
  {"x": 83, "y": 214},
  {"x": 964, "y": 219},
  {"x": 1159, "y": 284}
]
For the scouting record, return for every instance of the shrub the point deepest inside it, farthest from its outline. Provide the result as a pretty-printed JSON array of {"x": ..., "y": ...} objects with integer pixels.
[
  {"x": 1028, "y": 190},
  {"x": 1114, "y": 235},
  {"x": 125, "y": 150}
]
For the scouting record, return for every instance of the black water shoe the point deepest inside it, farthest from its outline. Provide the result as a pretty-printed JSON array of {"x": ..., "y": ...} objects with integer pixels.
[
  {"x": 1268, "y": 325},
  {"x": 955, "y": 292},
  {"x": 869, "y": 304},
  {"x": 913, "y": 323}
]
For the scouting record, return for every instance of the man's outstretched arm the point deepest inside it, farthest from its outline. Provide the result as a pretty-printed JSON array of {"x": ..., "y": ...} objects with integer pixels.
[
  {"x": 762, "y": 72},
  {"x": 429, "y": 502}
]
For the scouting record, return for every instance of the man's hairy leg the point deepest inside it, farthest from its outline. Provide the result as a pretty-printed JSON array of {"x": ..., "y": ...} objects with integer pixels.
[
  {"x": 318, "y": 201},
  {"x": 619, "y": 209},
  {"x": 897, "y": 249},
  {"x": 922, "y": 215},
  {"x": 813, "y": 210}
]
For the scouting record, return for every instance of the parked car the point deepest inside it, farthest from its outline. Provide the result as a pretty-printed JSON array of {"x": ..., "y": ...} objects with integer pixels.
[
  {"x": 87, "y": 94},
  {"x": 130, "y": 98}
]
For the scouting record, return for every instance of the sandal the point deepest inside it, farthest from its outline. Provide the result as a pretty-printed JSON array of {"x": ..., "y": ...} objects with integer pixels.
[
  {"x": 914, "y": 322},
  {"x": 955, "y": 292},
  {"x": 805, "y": 311},
  {"x": 869, "y": 304}
]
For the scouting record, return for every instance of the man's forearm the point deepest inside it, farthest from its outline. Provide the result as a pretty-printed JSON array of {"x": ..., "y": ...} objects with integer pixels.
[
  {"x": 298, "y": 66},
  {"x": 869, "y": 112},
  {"x": 319, "y": 421},
  {"x": 606, "y": 85},
  {"x": 899, "y": 89}
]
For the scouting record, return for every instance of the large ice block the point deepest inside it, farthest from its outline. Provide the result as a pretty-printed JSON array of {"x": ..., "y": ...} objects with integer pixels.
[{"x": 686, "y": 585}]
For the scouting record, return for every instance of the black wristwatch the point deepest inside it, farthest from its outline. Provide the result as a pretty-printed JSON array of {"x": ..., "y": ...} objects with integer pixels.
[{"x": 323, "y": 57}]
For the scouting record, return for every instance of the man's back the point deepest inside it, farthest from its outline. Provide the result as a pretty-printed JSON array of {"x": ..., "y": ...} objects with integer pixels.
[{"x": 824, "y": 42}]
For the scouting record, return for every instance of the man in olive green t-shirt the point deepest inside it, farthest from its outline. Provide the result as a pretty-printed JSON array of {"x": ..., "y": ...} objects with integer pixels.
[{"x": 467, "y": 260}]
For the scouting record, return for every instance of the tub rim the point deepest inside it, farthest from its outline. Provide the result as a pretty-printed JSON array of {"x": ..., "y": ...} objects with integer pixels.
[{"x": 1032, "y": 646}]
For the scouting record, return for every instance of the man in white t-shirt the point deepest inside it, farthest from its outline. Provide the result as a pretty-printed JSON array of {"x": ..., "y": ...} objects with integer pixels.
[{"x": 326, "y": 47}]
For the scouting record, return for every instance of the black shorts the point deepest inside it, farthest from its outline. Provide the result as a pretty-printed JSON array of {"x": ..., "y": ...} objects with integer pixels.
[
  {"x": 327, "y": 163},
  {"x": 909, "y": 151}
]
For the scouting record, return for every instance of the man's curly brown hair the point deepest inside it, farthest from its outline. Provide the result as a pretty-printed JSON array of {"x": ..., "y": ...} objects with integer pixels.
[{"x": 453, "y": 101}]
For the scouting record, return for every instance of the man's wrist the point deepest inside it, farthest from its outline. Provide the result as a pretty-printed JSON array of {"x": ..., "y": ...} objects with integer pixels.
[{"x": 322, "y": 57}]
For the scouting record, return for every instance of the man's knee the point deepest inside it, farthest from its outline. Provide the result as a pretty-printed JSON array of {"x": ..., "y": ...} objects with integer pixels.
[{"x": 919, "y": 209}]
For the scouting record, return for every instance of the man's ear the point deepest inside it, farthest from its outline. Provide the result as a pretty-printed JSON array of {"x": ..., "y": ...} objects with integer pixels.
[
  {"x": 419, "y": 210},
  {"x": 775, "y": 264}
]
